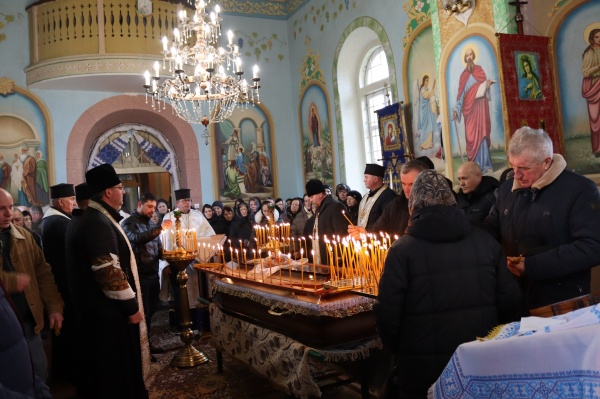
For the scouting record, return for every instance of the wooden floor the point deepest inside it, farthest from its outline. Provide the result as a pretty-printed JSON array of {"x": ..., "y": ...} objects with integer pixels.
[{"x": 204, "y": 382}]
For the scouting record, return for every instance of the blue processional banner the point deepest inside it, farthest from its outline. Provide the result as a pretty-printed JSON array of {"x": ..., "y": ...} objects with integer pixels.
[{"x": 394, "y": 143}]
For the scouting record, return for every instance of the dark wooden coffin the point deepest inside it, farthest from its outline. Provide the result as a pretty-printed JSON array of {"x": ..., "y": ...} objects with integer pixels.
[{"x": 318, "y": 332}]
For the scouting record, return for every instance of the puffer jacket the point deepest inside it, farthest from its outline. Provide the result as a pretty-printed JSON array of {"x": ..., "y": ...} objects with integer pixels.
[
  {"x": 27, "y": 258},
  {"x": 555, "y": 225},
  {"x": 145, "y": 243},
  {"x": 16, "y": 370},
  {"x": 444, "y": 283},
  {"x": 477, "y": 204}
]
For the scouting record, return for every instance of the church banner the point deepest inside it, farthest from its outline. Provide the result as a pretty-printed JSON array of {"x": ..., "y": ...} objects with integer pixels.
[
  {"x": 394, "y": 143},
  {"x": 526, "y": 80}
]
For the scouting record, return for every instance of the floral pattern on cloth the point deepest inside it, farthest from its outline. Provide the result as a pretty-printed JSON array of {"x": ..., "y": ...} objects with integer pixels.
[
  {"x": 281, "y": 359},
  {"x": 535, "y": 358}
]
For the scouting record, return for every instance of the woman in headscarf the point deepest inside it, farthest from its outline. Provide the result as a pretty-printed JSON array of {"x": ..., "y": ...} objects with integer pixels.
[
  {"x": 352, "y": 204},
  {"x": 242, "y": 228},
  {"x": 254, "y": 204},
  {"x": 297, "y": 218},
  {"x": 236, "y": 206},
  {"x": 280, "y": 206},
  {"x": 341, "y": 192},
  {"x": 266, "y": 210},
  {"x": 162, "y": 207},
  {"x": 444, "y": 283}
]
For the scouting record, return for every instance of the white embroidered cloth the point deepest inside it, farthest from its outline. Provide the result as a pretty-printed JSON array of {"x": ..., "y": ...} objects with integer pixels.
[{"x": 556, "y": 359}]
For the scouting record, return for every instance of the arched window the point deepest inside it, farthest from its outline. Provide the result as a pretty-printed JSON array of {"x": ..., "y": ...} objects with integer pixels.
[{"x": 373, "y": 80}]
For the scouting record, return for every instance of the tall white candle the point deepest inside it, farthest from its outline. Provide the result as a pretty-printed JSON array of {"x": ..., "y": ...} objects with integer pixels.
[
  {"x": 255, "y": 70},
  {"x": 147, "y": 78}
]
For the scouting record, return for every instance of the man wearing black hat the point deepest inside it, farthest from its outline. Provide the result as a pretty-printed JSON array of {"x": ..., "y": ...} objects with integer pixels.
[
  {"x": 372, "y": 205},
  {"x": 74, "y": 279},
  {"x": 54, "y": 230},
  {"x": 329, "y": 219},
  {"x": 190, "y": 219},
  {"x": 117, "y": 355}
]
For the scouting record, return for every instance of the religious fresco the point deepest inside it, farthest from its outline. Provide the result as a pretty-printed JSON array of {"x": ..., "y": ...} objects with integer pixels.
[
  {"x": 423, "y": 91},
  {"x": 315, "y": 134},
  {"x": 23, "y": 149},
  {"x": 475, "y": 106},
  {"x": 244, "y": 154},
  {"x": 579, "y": 82}
]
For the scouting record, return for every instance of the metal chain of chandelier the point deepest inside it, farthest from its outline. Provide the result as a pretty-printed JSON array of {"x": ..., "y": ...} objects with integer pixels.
[{"x": 209, "y": 95}]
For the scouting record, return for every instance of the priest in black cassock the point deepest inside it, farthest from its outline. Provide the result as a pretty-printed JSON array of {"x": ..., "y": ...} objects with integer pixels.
[
  {"x": 73, "y": 246},
  {"x": 379, "y": 196},
  {"x": 117, "y": 355},
  {"x": 54, "y": 229}
]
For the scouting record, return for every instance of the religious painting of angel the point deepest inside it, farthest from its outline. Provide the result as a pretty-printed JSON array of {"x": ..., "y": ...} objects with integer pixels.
[
  {"x": 423, "y": 90},
  {"x": 529, "y": 76}
]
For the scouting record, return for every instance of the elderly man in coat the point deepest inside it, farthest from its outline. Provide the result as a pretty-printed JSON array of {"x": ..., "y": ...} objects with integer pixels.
[
  {"x": 29, "y": 281},
  {"x": 329, "y": 218},
  {"x": 548, "y": 217}
]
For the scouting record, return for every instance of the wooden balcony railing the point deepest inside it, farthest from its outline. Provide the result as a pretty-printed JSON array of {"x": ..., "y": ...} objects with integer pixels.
[{"x": 63, "y": 28}]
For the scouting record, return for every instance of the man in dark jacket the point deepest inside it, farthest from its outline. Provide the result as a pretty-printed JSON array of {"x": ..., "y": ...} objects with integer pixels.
[
  {"x": 329, "y": 219},
  {"x": 476, "y": 195},
  {"x": 444, "y": 283},
  {"x": 550, "y": 216},
  {"x": 147, "y": 248},
  {"x": 82, "y": 196},
  {"x": 395, "y": 216},
  {"x": 54, "y": 232},
  {"x": 109, "y": 287}
]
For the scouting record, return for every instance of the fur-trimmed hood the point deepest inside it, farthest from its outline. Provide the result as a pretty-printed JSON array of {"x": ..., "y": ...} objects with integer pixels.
[
  {"x": 258, "y": 216},
  {"x": 556, "y": 168}
]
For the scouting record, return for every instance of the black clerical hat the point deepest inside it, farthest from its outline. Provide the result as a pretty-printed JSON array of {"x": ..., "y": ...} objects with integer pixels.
[
  {"x": 61, "y": 191},
  {"x": 314, "y": 187},
  {"x": 427, "y": 161},
  {"x": 101, "y": 177},
  {"x": 182, "y": 193},
  {"x": 374, "y": 170},
  {"x": 82, "y": 192}
]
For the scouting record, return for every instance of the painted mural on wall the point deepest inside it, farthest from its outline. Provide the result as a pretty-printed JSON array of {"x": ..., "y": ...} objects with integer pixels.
[
  {"x": 315, "y": 134},
  {"x": 578, "y": 63},
  {"x": 244, "y": 154},
  {"x": 251, "y": 45},
  {"x": 424, "y": 96},
  {"x": 474, "y": 101},
  {"x": 23, "y": 148}
]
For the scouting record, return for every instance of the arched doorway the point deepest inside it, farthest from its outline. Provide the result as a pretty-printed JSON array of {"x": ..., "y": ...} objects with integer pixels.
[
  {"x": 144, "y": 159},
  {"x": 125, "y": 109}
]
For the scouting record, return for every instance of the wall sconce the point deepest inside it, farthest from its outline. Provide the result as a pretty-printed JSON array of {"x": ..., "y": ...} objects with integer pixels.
[{"x": 456, "y": 7}]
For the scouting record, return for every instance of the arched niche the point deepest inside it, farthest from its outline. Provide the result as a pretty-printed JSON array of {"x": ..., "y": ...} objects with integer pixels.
[
  {"x": 158, "y": 139},
  {"x": 365, "y": 33},
  {"x": 123, "y": 109}
]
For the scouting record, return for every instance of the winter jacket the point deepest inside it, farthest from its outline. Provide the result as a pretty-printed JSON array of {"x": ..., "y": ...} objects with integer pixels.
[
  {"x": 27, "y": 258},
  {"x": 555, "y": 225},
  {"x": 145, "y": 242},
  {"x": 394, "y": 218},
  {"x": 297, "y": 223},
  {"x": 16, "y": 370},
  {"x": 219, "y": 224},
  {"x": 331, "y": 222},
  {"x": 444, "y": 283},
  {"x": 478, "y": 203}
]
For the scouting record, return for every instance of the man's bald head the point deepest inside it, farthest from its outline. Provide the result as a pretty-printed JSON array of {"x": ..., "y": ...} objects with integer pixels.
[
  {"x": 6, "y": 208},
  {"x": 469, "y": 177}
]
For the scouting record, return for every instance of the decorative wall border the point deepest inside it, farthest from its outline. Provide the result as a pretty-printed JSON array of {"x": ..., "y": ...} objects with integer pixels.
[
  {"x": 418, "y": 12},
  {"x": 437, "y": 34},
  {"x": 9, "y": 87},
  {"x": 93, "y": 64},
  {"x": 375, "y": 26}
]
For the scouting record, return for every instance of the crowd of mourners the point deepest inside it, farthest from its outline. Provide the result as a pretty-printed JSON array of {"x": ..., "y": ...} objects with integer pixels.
[{"x": 461, "y": 263}]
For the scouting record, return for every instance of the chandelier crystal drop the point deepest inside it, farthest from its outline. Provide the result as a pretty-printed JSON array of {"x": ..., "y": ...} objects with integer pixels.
[{"x": 209, "y": 94}]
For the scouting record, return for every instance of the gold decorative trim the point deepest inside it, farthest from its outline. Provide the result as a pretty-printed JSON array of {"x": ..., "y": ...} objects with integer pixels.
[
  {"x": 273, "y": 304},
  {"x": 493, "y": 334},
  {"x": 7, "y": 86}
]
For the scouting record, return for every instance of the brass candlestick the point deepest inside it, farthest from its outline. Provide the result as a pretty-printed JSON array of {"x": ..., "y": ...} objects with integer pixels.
[{"x": 180, "y": 259}]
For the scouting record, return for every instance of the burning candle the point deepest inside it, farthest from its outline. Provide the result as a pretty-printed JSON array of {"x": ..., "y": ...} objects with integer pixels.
[
  {"x": 230, "y": 37},
  {"x": 255, "y": 70},
  {"x": 290, "y": 267},
  {"x": 301, "y": 267},
  {"x": 279, "y": 257},
  {"x": 254, "y": 255},
  {"x": 157, "y": 69},
  {"x": 314, "y": 268}
]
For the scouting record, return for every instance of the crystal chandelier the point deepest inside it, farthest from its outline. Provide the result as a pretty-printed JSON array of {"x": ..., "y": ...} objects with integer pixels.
[{"x": 209, "y": 95}]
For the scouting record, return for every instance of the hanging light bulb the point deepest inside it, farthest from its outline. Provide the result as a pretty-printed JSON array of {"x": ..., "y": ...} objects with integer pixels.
[{"x": 217, "y": 10}]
